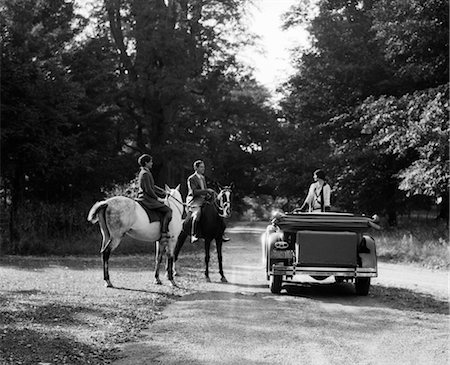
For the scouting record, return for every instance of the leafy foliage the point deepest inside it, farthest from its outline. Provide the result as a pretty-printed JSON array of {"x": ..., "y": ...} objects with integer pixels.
[
  {"x": 370, "y": 99},
  {"x": 414, "y": 123}
]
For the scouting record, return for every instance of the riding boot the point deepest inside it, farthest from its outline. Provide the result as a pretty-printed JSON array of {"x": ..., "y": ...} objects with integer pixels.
[
  {"x": 194, "y": 230},
  {"x": 165, "y": 226}
]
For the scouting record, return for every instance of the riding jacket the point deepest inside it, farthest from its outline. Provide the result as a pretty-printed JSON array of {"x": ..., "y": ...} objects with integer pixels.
[
  {"x": 196, "y": 185},
  {"x": 146, "y": 193}
]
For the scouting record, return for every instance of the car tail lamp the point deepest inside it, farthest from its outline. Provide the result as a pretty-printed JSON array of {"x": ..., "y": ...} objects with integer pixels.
[{"x": 281, "y": 245}]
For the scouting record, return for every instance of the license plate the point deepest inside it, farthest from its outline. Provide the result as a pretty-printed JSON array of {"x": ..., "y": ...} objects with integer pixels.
[{"x": 281, "y": 254}]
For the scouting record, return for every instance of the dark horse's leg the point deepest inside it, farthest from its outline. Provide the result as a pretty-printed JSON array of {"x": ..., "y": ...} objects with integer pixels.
[
  {"x": 223, "y": 279},
  {"x": 183, "y": 235},
  {"x": 180, "y": 242},
  {"x": 207, "y": 256}
]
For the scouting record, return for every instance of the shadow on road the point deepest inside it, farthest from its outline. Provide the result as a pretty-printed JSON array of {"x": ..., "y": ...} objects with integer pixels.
[
  {"x": 332, "y": 293},
  {"x": 241, "y": 285},
  {"x": 379, "y": 296},
  {"x": 135, "y": 290}
]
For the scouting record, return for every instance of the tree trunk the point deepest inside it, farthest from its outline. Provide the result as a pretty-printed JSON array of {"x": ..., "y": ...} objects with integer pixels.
[
  {"x": 444, "y": 208},
  {"x": 17, "y": 198}
]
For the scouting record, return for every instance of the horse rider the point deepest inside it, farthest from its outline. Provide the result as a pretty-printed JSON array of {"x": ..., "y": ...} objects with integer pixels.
[
  {"x": 197, "y": 195},
  {"x": 318, "y": 198},
  {"x": 147, "y": 196}
]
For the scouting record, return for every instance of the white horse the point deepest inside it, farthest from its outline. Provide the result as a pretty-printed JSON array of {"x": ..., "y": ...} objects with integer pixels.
[{"x": 120, "y": 216}]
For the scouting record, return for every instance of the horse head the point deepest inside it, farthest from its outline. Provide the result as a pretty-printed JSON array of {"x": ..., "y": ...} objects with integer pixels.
[
  {"x": 174, "y": 198},
  {"x": 223, "y": 200}
]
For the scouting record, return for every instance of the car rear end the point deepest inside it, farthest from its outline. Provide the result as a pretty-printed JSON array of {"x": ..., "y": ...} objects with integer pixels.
[{"x": 320, "y": 245}]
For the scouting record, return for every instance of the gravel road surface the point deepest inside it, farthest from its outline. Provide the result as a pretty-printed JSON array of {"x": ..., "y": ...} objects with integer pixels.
[{"x": 403, "y": 320}]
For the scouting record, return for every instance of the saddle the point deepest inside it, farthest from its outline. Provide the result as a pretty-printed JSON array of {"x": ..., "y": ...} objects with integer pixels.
[{"x": 153, "y": 215}]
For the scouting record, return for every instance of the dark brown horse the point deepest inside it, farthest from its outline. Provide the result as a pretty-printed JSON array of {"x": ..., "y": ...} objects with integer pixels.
[{"x": 211, "y": 227}]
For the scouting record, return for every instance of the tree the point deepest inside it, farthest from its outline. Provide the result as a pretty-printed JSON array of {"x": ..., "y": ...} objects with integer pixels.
[
  {"x": 37, "y": 96},
  {"x": 414, "y": 38},
  {"x": 367, "y": 53},
  {"x": 166, "y": 50},
  {"x": 344, "y": 66},
  {"x": 417, "y": 125}
]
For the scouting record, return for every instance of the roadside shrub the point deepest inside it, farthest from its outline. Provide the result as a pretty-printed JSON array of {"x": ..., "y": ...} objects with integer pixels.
[
  {"x": 424, "y": 243},
  {"x": 129, "y": 189},
  {"x": 263, "y": 207},
  {"x": 41, "y": 226}
]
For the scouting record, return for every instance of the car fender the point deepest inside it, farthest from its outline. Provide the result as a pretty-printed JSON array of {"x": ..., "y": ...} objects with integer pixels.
[{"x": 368, "y": 255}]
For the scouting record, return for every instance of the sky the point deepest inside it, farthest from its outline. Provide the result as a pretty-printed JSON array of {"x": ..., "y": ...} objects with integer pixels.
[{"x": 273, "y": 67}]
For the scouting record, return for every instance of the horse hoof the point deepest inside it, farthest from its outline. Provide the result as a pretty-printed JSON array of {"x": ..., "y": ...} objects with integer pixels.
[
  {"x": 108, "y": 284},
  {"x": 157, "y": 282},
  {"x": 173, "y": 284},
  {"x": 223, "y": 279},
  {"x": 208, "y": 280}
]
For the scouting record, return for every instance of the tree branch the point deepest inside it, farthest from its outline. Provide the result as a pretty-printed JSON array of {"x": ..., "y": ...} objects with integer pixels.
[{"x": 115, "y": 21}]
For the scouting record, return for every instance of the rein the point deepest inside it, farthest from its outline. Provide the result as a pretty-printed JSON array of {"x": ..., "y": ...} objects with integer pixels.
[
  {"x": 162, "y": 191},
  {"x": 220, "y": 209},
  {"x": 178, "y": 208}
]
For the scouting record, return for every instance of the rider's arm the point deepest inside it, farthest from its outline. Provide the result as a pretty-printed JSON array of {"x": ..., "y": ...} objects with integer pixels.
[
  {"x": 326, "y": 196},
  {"x": 196, "y": 188},
  {"x": 309, "y": 197}
]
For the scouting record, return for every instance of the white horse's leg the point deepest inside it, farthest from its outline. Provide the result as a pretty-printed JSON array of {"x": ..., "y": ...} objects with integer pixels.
[
  {"x": 170, "y": 262},
  {"x": 174, "y": 268},
  {"x": 108, "y": 248},
  {"x": 105, "y": 259},
  {"x": 158, "y": 259},
  {"x": 170, "y": 249}
]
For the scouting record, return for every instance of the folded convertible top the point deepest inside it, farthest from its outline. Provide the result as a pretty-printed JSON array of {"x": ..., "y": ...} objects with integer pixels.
[{"x": 323, "y": 221}]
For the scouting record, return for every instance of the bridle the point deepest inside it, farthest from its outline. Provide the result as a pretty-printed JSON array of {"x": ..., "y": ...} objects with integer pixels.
[
  {"x": 223, "y": 202},
  {"x": 180, "y": 210}
]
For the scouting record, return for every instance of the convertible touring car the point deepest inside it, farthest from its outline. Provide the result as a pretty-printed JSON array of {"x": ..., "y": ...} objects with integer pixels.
[{"x": 320, "y": 245}]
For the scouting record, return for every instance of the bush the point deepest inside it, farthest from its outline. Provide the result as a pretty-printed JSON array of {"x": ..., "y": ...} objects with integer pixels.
[
  {"x": 424, "y": 243},
  {"x": 263, "y": 207},
  {"x": 41, "y": 226}
]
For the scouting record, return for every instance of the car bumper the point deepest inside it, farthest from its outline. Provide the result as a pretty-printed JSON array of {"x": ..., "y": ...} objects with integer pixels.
[{"x": 322, "y": 271}]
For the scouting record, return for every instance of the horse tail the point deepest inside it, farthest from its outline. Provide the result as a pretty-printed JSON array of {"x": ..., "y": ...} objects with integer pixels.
[
  {"x": 93, "y": 213},
  {"x": 97, "y": 214},
  {"x": 104, "y": 229}
]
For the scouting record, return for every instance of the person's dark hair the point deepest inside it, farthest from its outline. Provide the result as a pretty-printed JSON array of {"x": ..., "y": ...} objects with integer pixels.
[
  {"x": 320, "y": 174},
  {"x": 197, "y": 164},
  {"x": 142, "y": 160}
]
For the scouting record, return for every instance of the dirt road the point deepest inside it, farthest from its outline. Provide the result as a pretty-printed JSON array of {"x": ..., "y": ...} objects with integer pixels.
[{"x": 404, "y": 320}]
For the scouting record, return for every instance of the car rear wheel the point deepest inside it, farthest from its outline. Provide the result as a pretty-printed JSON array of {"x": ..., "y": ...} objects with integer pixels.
[
  {"x": 275, "y": 283},
  {"x": 362, "y": 286}
]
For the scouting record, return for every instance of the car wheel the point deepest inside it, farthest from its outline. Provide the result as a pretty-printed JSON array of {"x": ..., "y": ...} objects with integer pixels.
[
  {"x": 362, "y": 286},
  {"x": 275, "y": 283}
]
